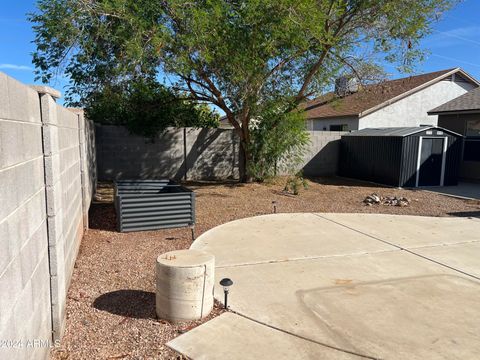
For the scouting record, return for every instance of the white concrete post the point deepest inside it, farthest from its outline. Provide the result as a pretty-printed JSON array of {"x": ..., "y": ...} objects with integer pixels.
[{"x": 185, "y": 280}]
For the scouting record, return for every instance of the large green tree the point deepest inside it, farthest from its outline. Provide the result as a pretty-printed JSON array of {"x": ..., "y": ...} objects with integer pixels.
[
  {"x": 146, "y": 108},
  {"x": 241, "y": 56}
]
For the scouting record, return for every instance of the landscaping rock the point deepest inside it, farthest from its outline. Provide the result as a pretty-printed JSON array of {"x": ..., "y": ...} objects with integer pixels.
[
  {"x": 372, "y": 199},
  {"x": 387, "y": 200}
]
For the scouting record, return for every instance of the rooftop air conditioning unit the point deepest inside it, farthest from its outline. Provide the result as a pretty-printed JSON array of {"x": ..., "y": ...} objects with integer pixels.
[{"x": 346, "y": 85}]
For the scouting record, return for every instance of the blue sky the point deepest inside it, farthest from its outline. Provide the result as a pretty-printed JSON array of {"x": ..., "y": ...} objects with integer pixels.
[{"x": 455, "y": 41}]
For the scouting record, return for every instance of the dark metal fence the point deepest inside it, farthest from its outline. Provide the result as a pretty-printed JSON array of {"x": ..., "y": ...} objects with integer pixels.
[{"x": 153, "y": 204}]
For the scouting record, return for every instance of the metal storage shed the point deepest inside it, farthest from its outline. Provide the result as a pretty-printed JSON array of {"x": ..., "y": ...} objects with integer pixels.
[{"x": 404, "y": 157}]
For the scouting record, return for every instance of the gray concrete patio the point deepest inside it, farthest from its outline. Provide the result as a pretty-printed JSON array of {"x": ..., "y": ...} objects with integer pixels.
[
  {"x": 343, "y": 286},
  {"x": 464, "y": 190}
]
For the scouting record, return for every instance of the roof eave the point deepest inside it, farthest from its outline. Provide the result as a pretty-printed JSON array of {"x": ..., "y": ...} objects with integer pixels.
[
  {"x": 453, "y": 112},
  {"x": 416, "y": 89},
  {"x": 468, "y": 76},
  {"x": 333, "y": 117}
]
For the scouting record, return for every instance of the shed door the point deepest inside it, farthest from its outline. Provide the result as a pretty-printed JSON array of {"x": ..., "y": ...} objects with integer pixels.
[{"x": 431, "y": 162}]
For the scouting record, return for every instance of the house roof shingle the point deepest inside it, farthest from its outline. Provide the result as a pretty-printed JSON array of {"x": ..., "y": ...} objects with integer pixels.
[
  {"x": 371, "y": 97},
  {"x": 466, "y": 102}
]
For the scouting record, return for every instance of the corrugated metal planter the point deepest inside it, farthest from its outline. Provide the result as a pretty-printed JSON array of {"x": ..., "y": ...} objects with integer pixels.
[{"x": 153, "y": 204}]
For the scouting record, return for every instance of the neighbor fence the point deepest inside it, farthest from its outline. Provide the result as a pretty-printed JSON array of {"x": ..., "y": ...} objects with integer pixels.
[
  {"x": 47, "y": 177},
  {"x": 194, "y": 154}
]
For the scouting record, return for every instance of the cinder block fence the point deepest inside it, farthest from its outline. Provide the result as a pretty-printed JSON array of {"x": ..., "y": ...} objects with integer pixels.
[
  {"x": 195, "y": 154},
  {"x": 47, "y": 177}
]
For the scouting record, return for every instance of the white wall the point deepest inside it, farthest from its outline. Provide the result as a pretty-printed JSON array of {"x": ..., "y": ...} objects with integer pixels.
[
  {"x": 65, "y": 212},
  {"x": 324, "y": 124},
  {"x": 412, "y": 110},
  {"x": 46, "y": 179},
  {"x": 24, "y": 267}
]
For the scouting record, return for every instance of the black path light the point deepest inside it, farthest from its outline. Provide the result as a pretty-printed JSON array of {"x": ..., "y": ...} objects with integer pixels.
[
  {"x": 274, "y": 204},
  {"x": 226, "y": 283}
]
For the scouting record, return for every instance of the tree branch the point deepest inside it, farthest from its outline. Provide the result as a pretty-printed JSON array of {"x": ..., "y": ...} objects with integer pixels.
[
  {"x": 313, "y": 70},
  {"x": 343, "y": 21}
]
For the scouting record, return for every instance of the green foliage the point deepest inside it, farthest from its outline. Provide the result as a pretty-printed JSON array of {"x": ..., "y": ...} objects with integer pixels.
[
  {"x": 278, "y": 141},
  {"x": 294, "y": 183},
  {"x": 95, "y": 43},
  {"x": 236, "y": 55},
  {"x": 147, "y": 108},
  {"x": 246, "y": 49}
]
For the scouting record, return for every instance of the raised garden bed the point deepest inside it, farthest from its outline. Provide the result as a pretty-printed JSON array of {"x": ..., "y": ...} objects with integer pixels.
[{"x": 153, "y": 204}]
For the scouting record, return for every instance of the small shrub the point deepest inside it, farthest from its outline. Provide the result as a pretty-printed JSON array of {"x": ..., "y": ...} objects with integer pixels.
[{"x": 294, "y": 183}]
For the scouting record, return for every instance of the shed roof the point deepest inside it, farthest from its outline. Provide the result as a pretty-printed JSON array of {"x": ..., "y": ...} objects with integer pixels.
[
  {"x": 397, "y": 131},
  {"x": 373, "y": 97},
  {"x": 466, "y": 102}
]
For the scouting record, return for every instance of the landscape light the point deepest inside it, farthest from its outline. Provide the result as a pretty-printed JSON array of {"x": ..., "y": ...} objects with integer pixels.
[
  {"x": 274, "y": 203},
  {"x": 226, "y": 283}
]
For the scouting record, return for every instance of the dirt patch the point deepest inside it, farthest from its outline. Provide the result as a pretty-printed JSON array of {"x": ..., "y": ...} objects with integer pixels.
[{"x": 111, "y": 301}]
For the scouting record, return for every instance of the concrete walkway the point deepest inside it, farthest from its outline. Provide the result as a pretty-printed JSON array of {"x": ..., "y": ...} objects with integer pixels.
[
  {"x": 463, "y": 190},
  {"x": 343, "y": 286}
]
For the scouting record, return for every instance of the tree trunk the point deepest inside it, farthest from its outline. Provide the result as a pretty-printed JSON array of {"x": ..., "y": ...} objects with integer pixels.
[
  {"x": 244, "y": 158},
  {"x": 242, "y": 130}
]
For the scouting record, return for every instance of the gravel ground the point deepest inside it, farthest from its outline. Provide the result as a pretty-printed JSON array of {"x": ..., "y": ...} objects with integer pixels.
[{"x": 111, "y": 300}]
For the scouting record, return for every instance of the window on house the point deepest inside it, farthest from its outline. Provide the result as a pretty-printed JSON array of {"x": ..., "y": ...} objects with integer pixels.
[
  {"x": 473, "y": 128},
  {"x": 309, "y": 124},
  {"x": 471, "y": 150},
  {"x": 342, "y": 127}
]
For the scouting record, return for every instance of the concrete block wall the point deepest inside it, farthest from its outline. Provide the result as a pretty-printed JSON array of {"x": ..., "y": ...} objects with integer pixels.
[
  {"x": 87, "y": 159},
  {"x": 323, "y": 154},
  {"x": 44, "y": 202},
  {"x": 210, "y": 154},
  {"x": 63, "y": 182},
  {"x": 24, "y": 271},
  {"x": 89, "y": 170}
]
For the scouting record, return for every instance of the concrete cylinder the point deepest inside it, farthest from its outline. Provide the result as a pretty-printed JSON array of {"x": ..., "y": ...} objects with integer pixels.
[{"x": 185, "y": 280}]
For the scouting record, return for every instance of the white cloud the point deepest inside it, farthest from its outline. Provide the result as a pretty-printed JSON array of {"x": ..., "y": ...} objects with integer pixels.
[
  {"x": 467, "y": 31},
  {"x": 455, "y": 37},
  {"x": 15, "y": 67}
]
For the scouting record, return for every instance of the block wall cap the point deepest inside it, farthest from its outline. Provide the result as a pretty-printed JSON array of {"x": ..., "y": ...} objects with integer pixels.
[{"x": 42, "y": 89}]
